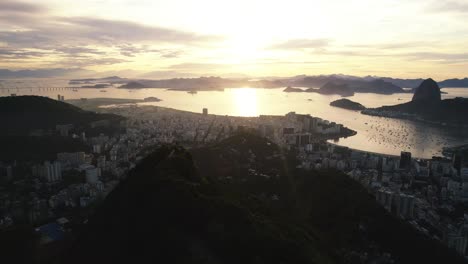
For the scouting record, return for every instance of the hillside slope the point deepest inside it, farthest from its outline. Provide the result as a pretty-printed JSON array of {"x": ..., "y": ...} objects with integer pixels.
[
  {"x": 244, "y": 201},
  {"x": 24, "y": 113}
]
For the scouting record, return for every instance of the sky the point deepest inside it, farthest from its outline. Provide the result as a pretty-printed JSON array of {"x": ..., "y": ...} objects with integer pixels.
[{"x": 255, "y": 38}]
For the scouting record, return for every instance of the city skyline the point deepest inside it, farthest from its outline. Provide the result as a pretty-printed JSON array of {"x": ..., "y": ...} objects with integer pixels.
[{"x": 165, "y": 39}]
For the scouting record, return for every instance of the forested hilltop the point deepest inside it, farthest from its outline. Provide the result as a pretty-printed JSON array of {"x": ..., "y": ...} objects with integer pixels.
[{"x": 244, "y": 201}]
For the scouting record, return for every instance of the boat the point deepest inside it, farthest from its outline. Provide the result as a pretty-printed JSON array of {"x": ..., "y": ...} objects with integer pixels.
[
  {"x": 192, "y": 92},
  {"x": 103, "y": 91}
]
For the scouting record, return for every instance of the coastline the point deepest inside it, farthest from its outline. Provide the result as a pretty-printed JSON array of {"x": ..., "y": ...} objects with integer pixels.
[
  {"x": 411, "y": 117},
  {"x": 437, "y": 151}
]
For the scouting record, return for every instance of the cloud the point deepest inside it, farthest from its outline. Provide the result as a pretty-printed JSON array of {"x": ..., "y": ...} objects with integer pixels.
[
  {"x": 302, "y": 44},
  {"x": 198, "y": 66},
  {"x": 438, "y": 57},
  {"x": 448, "y": 6},
  {"x": 42, "y": 73},
  {"x": 73, "y": 50},
  {"x": 80, "y": 37},
  {"x": 12, "y": 54},
  {"x": 99, "y": 32},
  {"x": 169, "y": 54},
  {"x": 84, "y": 61},
  {"x": 396, "y": 45},
  {"x": 19, "y": 7},
  {"x": 103, "y": 30},
  {"x": 167, "y": 75},
  {"x": 130, "y": 50}
]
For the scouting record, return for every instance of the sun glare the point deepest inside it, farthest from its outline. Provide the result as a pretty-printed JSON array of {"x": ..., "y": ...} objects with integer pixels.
[{"x": 245, "y": 101}]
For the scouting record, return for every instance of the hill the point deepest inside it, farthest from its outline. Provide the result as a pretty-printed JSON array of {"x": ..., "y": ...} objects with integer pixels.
[
  {"x": 30, "y": 132},
  {"x": 290, "y": 89},
  {"x": 333, "y": 88},
  {"x": 167, "y": 212},
  {"x": 349, "y": 87},
  {"x": 357, "y": 84},
  {"x": 463, "y": 83},
  {"x": 347, "y": 104},
  {"x": 427, "y": 106},
  {"x": 244, "y": 201},
  {"x": 133, "y": 85},
  {"x": 428, "y": 91},
  {"x": 26, "y": 113}
]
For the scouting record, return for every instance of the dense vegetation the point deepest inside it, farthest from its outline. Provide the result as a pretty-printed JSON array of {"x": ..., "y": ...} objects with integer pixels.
[
  {"x": 22, "y": 114},
  {"x": 244, "y": 201},
  {"x": 347, "y": 104},
  {"x": 29, "y": 132}
]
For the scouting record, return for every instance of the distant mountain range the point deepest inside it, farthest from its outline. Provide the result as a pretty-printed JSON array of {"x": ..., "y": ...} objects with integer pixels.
[
  {"x": 454, "y": 83},
  {"x": 299, "y": 80},
  {"x": 329, "y": 84},
  {"x": 355, "y": 84},
  {"x": 349, "y": 87}
]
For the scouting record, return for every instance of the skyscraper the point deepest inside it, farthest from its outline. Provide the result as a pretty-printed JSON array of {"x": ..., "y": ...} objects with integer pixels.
[
  {"x": 457, "y": 162},
  {"x": 405, "y": 160}
]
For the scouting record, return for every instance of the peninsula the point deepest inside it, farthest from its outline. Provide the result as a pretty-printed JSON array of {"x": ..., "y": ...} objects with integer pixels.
[{"x": 427, "y": 106}]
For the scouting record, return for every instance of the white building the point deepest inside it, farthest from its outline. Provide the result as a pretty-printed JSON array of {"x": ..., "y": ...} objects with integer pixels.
[{"x": 53, "y": 171}]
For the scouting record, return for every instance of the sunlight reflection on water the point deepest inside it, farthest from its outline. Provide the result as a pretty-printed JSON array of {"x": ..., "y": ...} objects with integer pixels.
[{"x": 376, "y": 134}]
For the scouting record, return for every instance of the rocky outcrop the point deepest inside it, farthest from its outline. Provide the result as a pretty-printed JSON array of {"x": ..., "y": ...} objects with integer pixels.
[{"x": 428, "y": 91}]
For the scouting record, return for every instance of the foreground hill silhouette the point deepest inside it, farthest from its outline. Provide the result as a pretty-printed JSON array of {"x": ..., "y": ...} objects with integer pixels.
[
  {"x": 427, "y": 105},
  {"x": 24, "y": 113},
  {"x": 24, "y": 116},
  {"x": 243, "y": 201}
]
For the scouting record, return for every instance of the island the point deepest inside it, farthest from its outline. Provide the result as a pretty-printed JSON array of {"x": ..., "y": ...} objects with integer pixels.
[
  {"x": 152, "y": 99},
  {"x": 356, "y": 84},
  {"x": 333, "y": 88},
  {"x": 348, "y": 104},
  {"x": 427, "y": 106},
  {"x": 290, "y": 89},
  {"x": 133, "y": 85}
]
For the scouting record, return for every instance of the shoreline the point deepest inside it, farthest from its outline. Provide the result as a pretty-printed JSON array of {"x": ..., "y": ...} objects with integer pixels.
[
  {"x": 137, "y": 102},
  {"x": 411, "y": 117}
]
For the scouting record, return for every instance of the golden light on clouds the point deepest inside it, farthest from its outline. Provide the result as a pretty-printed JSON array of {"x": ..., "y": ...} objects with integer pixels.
[{"x": 251, "y": 37}]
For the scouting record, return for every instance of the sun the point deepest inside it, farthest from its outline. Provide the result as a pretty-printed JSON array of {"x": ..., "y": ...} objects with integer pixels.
[{"x": 245, "y": 101}]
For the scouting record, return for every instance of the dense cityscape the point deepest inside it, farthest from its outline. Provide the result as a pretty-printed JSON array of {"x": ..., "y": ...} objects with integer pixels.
[{"x": 426, "y": 193}]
